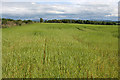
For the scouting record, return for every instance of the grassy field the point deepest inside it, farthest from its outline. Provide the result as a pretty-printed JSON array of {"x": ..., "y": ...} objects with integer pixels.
[{"x": 49, "y": 50}]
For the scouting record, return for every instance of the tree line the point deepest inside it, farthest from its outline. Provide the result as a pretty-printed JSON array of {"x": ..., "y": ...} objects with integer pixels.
[
  {"x": 80, "y": 22},
  {"x": 11, "y": 22}
]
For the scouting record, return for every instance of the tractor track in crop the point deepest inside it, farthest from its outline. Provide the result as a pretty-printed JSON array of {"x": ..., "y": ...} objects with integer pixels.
[{"x": 44, "y": 56}]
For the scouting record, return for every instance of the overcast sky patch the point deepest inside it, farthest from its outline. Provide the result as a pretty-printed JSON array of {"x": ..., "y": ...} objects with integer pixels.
[{"x": 61, "y": 9}]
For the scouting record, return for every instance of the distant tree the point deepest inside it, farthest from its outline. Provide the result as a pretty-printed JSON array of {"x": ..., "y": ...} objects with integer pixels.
[
  {"x": 79, "y": 21},
  {"x": 72, "y": 21},
  {"x": 114, "y": 23},
  {"x": 87, "y": 22},
  {"x": 11, "y": 22},
  {"x": 57, "y": 21},
  {"x": 19, "y": 22},
  {"x": 10, "y": 19},
  {"x": 66, "y": 21},
  {"x": 41, "y": 20},
  {"x": 45, "y": 21},
  {"x": 4, "y": 22},
  {"x": 29, "y": 21},
  {"x": 25, "y": 21},
  {"x": 103, "y": 23},
  {"x": 91, "y": 22}
]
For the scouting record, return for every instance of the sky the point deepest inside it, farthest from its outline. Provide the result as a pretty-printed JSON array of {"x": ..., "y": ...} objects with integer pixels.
[{"x": 60, "y": 9}]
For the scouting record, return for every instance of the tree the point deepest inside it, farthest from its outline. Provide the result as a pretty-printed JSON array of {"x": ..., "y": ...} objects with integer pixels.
[
  {"x": 19, "y": 22},
  {"x": 29, "y": 21},
  {"x": 41, "y": 20},
  {"x": 45, "y": 21},
  {"x": 4, "y": 22}
]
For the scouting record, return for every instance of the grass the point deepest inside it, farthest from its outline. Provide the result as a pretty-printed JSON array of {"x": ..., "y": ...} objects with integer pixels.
[{"x": 60, "y": 51}]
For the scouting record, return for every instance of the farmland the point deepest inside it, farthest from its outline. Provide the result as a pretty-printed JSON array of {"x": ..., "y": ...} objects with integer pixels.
[{"x": 57, "y": 50}]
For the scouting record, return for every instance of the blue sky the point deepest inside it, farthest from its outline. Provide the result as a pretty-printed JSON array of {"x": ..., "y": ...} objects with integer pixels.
[{"x": 60, "y": 9}]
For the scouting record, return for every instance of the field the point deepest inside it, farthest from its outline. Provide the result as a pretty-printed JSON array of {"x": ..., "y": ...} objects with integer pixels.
[{"x": 51, "y": 50}]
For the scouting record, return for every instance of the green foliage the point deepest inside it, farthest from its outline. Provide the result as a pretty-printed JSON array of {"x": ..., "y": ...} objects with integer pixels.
[
  {"x": 45, "y": 21},
  {"x": 51, "y": 50},
  {"x": 27, "y": 21},
  {"x": 10, "y": 22},
  {"x": 4, "y": 22},
  {"x": 18, "y": 22},
  {"x": 41, "y": 20},
  {"x": 80, "y": 22}
]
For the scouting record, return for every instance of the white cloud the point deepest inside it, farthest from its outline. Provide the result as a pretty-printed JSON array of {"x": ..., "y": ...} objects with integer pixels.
[
  {"x": 111, "y": 15},
  {"x": 55, "y": 12},
  {"x": 62, "y": 16},
  {"x": 75, "y": 9},
  {"x": 33, "y": 3},
  {"x": 75, "y": 1}
]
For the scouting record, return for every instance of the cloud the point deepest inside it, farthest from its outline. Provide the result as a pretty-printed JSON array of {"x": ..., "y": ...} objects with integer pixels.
[
  {"x": 33, "y": 3},
  {"x": 75, "y": 1},
  {"x": 55, "y": 12},
  {"x": 68, "y": 9},
  {"x": 112, "y": 15}
]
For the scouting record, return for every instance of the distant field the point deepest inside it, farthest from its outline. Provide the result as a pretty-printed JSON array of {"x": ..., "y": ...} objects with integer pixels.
[{"x": 60, "y": 51}]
